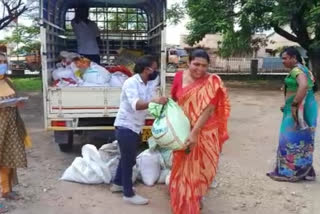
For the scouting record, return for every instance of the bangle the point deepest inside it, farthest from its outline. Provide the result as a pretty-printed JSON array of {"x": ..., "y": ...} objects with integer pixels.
[{"x": 294, "y": 104}]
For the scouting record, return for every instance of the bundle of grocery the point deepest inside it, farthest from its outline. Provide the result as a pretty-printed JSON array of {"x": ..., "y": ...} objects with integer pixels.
[
  {"x": 171, "y": 127},
  {"x": 74, "y": 70}
]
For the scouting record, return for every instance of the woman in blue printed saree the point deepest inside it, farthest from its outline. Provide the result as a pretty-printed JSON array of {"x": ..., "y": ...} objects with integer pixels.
[{"x": 297, "y": 132}]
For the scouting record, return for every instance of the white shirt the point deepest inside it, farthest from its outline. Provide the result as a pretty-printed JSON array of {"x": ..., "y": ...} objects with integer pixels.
[
  {"x": 134, "y": 89},
  {"x": 86, "y": 34}
]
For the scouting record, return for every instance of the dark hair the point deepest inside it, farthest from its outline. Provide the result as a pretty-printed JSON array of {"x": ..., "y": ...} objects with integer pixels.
[
  {"x": 293, "y": 52},
  {"x": 81, "y": 13},
  {"x": 143, "y": 62},
  {"x": 199, "y": 53}
]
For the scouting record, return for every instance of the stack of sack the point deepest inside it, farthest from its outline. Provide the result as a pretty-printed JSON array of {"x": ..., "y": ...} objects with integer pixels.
[{"x": 96, "y": 166}]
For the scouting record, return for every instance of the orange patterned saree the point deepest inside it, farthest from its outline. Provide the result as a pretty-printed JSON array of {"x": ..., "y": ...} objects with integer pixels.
[{"x": 192, "y": 173}]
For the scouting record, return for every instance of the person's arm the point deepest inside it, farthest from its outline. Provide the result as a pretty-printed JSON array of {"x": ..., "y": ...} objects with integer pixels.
[
  {"x": 142, "y": 105},
  {"x": 98, "y": 37},
  {"x": 202, "y": 120},
  {"x": 131, "y": 92},
  {"x": 206, "y": 114},
  {"x": 301, "y": 93},
  {"x": 302, "y": 88}
]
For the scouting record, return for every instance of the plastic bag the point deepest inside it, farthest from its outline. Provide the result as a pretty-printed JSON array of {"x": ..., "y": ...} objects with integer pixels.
[
  {"x": 165, "y": 154},
  {"x": 96, "y": 74},
  {"x": 113, "y": 165},
  {"x": 67, "y": 57},
  {"x": 110, "y": 154},
  {"x": 88, "y": 169},
  {"x": 117, "y": 79},
  {"x": 109, "y": 151},
  {"x": 163, "y": 175},
  {"x": 171, "y": 127},
  {"x": 149, "y": 166},
  {"x": 168, "y": 179},
  {"x": 62, "y": 72}
]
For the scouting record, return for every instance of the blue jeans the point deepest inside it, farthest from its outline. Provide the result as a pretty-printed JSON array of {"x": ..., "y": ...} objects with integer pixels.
[{"x": 128, "y": 142}]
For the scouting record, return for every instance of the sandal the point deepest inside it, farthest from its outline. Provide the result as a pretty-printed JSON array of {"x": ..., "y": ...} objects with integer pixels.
[
  {"x": 12, "y": 196},
  {"x": 311, "y": 176},
  {"x": 274, "y": 176},
  {"x": 3, "y": 208}
]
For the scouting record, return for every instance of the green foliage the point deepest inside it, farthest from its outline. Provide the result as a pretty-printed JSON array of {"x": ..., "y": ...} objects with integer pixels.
[
  {"x": 175, "y": 14},
  {"x": 26, "y": 38},
  {"x": 251, "y": 16}
]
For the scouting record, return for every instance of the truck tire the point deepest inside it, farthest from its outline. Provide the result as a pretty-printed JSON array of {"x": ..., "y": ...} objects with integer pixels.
[
  {"x": 64, "y": 139},
  {"x": 65, "y": 147},
  {"x": 97, "y": 137}
]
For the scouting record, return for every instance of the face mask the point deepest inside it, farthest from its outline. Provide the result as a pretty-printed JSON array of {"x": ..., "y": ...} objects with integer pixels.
[
  {"x": 3, "y": 69},
  {"x": 153, "y": 75}
]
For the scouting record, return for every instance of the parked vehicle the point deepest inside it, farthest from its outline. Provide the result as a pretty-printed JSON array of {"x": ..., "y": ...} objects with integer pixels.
[
  {"x": 128, "y": 24},
  {"x": 177, "y": 58}
]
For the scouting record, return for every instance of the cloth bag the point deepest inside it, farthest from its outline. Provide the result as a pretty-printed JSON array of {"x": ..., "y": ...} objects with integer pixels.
[{"x": 171, "y": 127}]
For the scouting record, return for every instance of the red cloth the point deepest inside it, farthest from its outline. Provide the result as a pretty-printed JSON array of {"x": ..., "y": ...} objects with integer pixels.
[
  {"x": 71, "y": 81},
  {"x": 119, "y": 68},
  {"x": 193, "y": 172}
]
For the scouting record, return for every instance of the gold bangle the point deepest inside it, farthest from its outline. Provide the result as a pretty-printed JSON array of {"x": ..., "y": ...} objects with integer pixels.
[{"x": 294, "y": 104}]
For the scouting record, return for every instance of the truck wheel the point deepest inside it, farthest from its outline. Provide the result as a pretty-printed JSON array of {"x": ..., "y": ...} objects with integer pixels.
[
  {"x": 64, "y": 139},
  {"x": 65, "y": 147}
]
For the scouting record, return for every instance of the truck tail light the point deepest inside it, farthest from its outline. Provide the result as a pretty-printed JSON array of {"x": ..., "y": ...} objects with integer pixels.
[
  {"x": 57, "y": 123},
  {"x": 149, "y": 122}
]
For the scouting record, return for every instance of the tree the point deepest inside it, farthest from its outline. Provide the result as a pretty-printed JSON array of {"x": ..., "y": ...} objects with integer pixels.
[
  {"x": 175, "y": 13},
  {"x": 26, "y": 39},
  {"x": 239, "y": 20},
  {"x": 11, "y": 10}
]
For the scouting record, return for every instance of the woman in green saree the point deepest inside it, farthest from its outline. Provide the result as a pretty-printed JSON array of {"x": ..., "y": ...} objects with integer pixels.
[{"x": 297, "y": 132}]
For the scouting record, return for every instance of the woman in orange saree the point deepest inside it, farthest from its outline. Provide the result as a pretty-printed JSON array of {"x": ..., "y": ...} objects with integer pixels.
[{"x": 204, "y": 100}]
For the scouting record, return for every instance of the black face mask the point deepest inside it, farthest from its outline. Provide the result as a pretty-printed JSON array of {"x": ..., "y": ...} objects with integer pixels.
[{"x": 153, "y": 75}]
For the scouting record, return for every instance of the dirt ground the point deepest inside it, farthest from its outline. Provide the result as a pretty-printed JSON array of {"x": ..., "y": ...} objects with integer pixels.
[{"x": 242, "y": 184}]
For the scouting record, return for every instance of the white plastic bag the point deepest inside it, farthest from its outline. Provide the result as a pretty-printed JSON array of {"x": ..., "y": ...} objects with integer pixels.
[
  {"x": 62, "y": 72},
  {"x": 81, "y": 172},
  {"x": 96, "y": 74},
  {"x": 163, "y": 175},
  {"x": 89, "y": 169},
  {"x": 165, "y": 154},
  {"x": 109, "y": 151},
  {"x": 113, "y": 166},
  {"x": 117, "y": 79},
  {"x": 149, "y": 166},
  {"x": 168, "y": 179}
]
